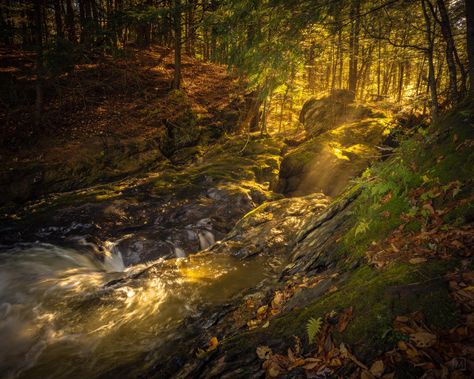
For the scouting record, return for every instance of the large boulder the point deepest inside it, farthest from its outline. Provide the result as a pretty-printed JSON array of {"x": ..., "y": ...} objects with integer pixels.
[
  {"x": 343, "y": 141},
  {"x": 326, "y": 113}
]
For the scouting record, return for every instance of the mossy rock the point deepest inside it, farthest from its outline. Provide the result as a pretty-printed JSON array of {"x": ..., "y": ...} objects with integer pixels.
[{"x": 329, "y": 161}]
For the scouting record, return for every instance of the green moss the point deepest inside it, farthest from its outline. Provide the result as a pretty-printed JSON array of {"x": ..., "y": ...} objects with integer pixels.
[
  {"x": 377, "y": 297},
  {"x": 235, "y": 160}
]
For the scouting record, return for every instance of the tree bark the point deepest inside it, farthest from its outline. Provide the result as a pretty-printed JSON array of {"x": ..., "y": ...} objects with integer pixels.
[
  {"x": 431, "y": 68},
  {"x": 70, "y": 26},
  {"x": 450, "y": 51},
  {"x": 58, "y": 19},
  {"x": 470, "y": 43},
  {"x": 177, "y": 45},
  {"x": 38, "y": 16},
  {"x": 354, "y": 46}
]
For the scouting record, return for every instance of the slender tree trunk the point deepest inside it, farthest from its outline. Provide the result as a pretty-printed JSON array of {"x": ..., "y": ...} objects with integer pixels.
[
  {"x": 58, "y": 19},
  {"x": 70, "y": 26},
  {"x": 341, "y": 58},
  {"x": 401, "y": 73},
  {"x": 177, "y": 44},
  {"x": 470, "y": 43},
  {"x": 38, "y": 14},
  {"x": 282, "y": 108},
  {"x": 354, "y": 46},
  {"x": 431, "y": 68},
  {"x": 311, "y": 70},
  {"x": 450, "y": 50}
]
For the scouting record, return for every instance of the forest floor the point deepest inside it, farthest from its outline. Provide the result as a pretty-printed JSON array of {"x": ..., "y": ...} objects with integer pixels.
[
  {"x": 108, "y": 97},
  {"x": 103, "y": 111}
]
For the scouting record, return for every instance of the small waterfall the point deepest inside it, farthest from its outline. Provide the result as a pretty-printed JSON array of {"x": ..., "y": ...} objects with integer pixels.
[
  {"x": 108, "y": 254},
  {"x": 113, "y": 260},
  {"x": 206, "y": 239}
]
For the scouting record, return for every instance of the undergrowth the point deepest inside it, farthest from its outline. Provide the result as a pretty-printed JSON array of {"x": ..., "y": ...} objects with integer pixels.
[{"x": 432, "y": 170}]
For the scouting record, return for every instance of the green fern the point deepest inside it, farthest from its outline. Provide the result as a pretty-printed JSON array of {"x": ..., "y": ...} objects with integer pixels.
[
  {"x": 361, "y": 227},
  {"x": 313, "y": 327}
]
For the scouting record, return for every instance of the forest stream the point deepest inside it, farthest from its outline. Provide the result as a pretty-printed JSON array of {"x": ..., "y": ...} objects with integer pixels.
[{"x": 69, "y": 308}]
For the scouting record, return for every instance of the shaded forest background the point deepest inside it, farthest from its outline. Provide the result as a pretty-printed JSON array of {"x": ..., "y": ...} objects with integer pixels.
[{"x": 415, "y": 53}]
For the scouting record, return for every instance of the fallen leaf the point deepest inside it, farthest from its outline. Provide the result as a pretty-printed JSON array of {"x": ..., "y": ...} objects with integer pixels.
[
  {"x": 402, "y": 319},
  {"x": 377, "y": 369},
  {"x": 387, "y": 198},
  {"x": 386, "y": 214},
  {"x": 213, "y": 343},
  {"x": 201, "y": 353},
  {"x": 291, "y": 356},
  {"x": 297, "y": 363},
  {"x": 402, "y": 345},
  {"x": 429, "y": 208},
  {"x": 366, "y": 375},
  {"x": 264, "y": 352},
  {"x": 311, "y": 366},
  {"x": 277, "y": 299},
  {"x": 415, "y": 261},
  {"x": 262, "y": 310},
  {"x": 423, "y": 339},
  {"x": 343, "y": 350}
]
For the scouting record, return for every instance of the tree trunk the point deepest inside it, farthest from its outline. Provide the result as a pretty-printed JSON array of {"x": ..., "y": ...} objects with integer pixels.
[
  {"x": 450, "y": 51},
  {"x": 58, "y": 19},
  {"x": 431, "y": 68},
  {"x": 177, "y": 44},
  {"x": 354, "y": 46},
  {"x": 401, "y": 73},
  {"x": 470, "y": 44},
  {"x": 39, "y": 61},
  {"x": 311, "y": 69},
  {"x": 70, "y": 26}
]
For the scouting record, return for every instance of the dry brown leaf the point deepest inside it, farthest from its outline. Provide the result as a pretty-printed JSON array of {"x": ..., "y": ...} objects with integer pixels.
[
  {"x": 277, "y": 299},
  {"x": 299, "y": 362},
  {"x": 311, "y": 366},
  {"x": 402, "y": 345},
  {"x": 291, "y": 356},
  {"x": 366, "y": 375},
  {"x": 429, "y": 208},
  {"x": 423, "y": 339},
  {"x": 377, "y": 369},
  {"x": 264, "y": 352},
  {"x": 416, "y": 261},
  {"x": 402, "y": 319}
]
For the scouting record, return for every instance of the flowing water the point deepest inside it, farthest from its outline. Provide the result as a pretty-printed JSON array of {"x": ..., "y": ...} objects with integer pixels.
[{"x": 64, "y": 314}]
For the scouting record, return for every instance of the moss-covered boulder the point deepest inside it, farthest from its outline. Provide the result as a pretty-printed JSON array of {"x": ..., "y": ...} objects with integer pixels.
[
  {"x": 328, "y": 162},
  {"x": 328, "y": 112}
]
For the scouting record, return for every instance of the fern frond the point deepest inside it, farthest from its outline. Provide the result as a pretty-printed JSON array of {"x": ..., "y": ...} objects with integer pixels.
[{"x": 313, "y": 327}]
